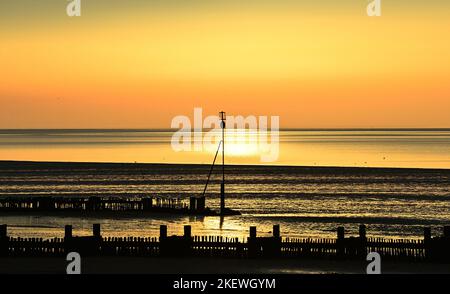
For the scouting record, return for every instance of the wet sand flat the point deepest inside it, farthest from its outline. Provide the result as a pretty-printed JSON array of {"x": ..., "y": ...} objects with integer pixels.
[
  {"x": 304, "y": 201},
  {"x": 143, "y": 265}
]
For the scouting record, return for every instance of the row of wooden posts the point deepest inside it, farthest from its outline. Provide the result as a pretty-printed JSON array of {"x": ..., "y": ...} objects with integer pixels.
[{"x": 436, "y": 249}]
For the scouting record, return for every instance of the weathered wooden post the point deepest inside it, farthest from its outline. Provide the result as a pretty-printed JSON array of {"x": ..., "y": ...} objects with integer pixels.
[
  {"x": 362, "y": 250},
  {"x": 445, "y": 245},
  {"x": 68, "y": 231},
  {"x": 97, "y": 238},
  {"x": 275, "y": 250},
  {"x": 362, "y": 231},
  {"x": 276, "y": 231},
  {"x": 427, "y": 234},
  {"x": 96, "y": 232},
  {"x": 187, "y": 232},
  {"x": 4, "y": 240},
  {"x": 252, "y": 243},
  {"x": 340, "y": 242},
  {"x": 68, "y": 243},
  {"x": 162, "y": 232},
  {"x": 163, "y": 243},
  {"x": 340, "y": 233},
  {"x": 252, "y": 232},
  {"x": 427, "y": 242},
  {"x": 3, "y": 231},
  {"x": 187, "y": 241}
]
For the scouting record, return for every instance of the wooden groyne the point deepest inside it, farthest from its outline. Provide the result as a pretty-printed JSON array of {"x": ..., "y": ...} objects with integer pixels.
[
  {"x": 98, "y": 205},
  {"x": 433, "y": 249}
]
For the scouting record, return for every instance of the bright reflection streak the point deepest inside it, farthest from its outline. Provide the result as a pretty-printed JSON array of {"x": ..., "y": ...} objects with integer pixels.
[{"x": 238, "y": 142}]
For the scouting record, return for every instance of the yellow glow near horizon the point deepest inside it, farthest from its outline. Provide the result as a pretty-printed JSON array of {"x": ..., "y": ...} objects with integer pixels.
[{"x": 238, "y": 143}]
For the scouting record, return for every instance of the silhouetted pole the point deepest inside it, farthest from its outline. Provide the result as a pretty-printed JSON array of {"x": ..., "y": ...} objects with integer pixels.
[
  {"x": 427, "y": 234},
  {"x": 96, "y": 230},
  {"x": 252, "y": 243},
  {"x": 362, "y": 241},
  {"x": 275, "y": 246},
  {"x": 276, "y": 231},
  {"x": 340, "y": 233},
  {"x": 362, "y": 232},
  {"x": 252, "y": 232},
  {"x": 162, "y": 232},
  {"x": 340, "y": 241},
  {"x": 68, "y": 231},
  {"x": 427, "y": 242},
  {"x": 186, "y": 244},
  {"x": 3, "y": 231},
  {"x": 4, "y": 240},
  {"x": 187, "y": 232},
  {"x": 445, "y": 245},
  {"x": 222, "y": 186}
]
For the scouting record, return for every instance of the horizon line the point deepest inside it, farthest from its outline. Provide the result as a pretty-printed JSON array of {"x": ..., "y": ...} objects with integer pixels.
[{"x": 268, "y": 129}]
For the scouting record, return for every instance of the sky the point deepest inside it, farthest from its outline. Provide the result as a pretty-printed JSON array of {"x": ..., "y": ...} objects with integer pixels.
[{"x": 138, "y": 64}]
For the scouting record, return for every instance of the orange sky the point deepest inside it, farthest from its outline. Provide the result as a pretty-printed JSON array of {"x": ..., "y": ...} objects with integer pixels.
[{"x": 137, "y": 67}]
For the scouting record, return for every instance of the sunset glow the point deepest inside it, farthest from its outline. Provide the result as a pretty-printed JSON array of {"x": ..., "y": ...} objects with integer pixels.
[{"x": 140, "y": 65}]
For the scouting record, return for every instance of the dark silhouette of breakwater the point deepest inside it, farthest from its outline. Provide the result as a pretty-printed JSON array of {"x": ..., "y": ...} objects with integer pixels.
[
  {"x": 432, "y": 249},
  {"x": 112, "y": 205}
]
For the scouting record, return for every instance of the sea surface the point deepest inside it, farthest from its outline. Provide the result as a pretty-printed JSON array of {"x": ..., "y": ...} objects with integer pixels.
[{"x": 394, "y": 181}]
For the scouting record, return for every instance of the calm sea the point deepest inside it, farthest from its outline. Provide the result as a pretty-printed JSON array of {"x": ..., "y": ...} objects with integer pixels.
[{"x": 306, "y": 202}]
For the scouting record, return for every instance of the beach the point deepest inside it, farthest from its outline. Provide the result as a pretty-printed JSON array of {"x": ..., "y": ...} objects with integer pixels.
[{"x": 142, "y": 265}]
